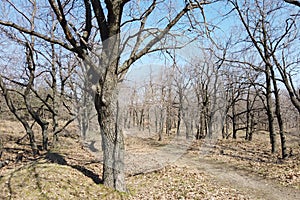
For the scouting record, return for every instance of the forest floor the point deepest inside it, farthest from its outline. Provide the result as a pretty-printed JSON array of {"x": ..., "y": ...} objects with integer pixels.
[{"x": 174, "y": 168}]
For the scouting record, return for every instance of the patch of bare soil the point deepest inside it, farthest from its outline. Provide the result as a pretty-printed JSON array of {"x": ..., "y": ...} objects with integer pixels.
[
  {"x": 255, "y": 157},
  {"x": 242, "y": 169},
  {"x": 241, "y": 180},
  {"x": 249, "y": 167}
]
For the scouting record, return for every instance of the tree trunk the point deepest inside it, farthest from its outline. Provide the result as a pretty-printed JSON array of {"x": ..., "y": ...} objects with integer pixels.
[
  {"x": 206, "y": 113},
  {"x": 178, "y": 120},
  {"x": 54, "y": 112},
  {"x": 234, "y": 129},
  {"x": 45, "y": 136},
  {"x": 198, "y": 132},
  {"x": 279, "y": 117},
  {"x": 248, "y": 118},
  {"x": 106, "y": 104},
  {"x": 161, "y": 124},
  {"x": 85, "y": 114},
  {"x": 209, "y": 126},
  {"x": 227, "y": 127},
  {"x": 134, "y": 118},
  {"x": 168, "y": 113},
  {"x": 203, "y": 126},
  {"x": 129, "y": 118},
  {"x": 198, "y": 119},
  {"x": 41, "y": 122},
  {"x": 32, "y": 141},
  {"x": 148, "y": 122},
  {"x": 187, "y": 124},
  {"x": 156, "y": 119},
  {"x": 252, "y": 124},
  {"x": 168, "y": 121},
  {"x": 85, "y": 124},
  {"x": 141, "y": 120},
  {"x": 270, "y": 109}
]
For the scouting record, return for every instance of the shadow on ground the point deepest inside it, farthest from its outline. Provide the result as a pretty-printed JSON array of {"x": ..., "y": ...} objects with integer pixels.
[{"x": 59, "y": 159}]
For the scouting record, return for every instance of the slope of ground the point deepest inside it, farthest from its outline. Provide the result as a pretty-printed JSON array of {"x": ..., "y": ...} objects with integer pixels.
[
  {"x": 73, "y": 173},
  {"x": 171, "y": 169}
]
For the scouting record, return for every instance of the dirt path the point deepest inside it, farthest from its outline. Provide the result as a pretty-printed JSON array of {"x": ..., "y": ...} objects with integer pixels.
[
  {"x": 146, "y": 156},
  {"x": 243, "y": 181},
  {"x": 177, "y": 152}
]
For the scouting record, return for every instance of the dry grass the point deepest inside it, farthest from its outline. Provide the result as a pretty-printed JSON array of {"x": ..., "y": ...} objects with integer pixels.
[
  {"x": 256, "y": 158},
  {"x": 71, "y": 171}
]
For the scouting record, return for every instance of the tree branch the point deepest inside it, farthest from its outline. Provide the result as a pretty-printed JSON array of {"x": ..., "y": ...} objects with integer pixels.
[
  {"x": 294, "y": 2},
  {"x": 58, "y": 10},
  {"x": 88, "y": 20},
  {"x": 136, "y": 55},
  {"x": 39, "y": 35},
  {"x": 101, "y": 20}
]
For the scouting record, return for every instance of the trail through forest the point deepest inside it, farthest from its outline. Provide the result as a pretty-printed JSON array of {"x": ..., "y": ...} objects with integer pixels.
[
  {"x": 174, "y": 168},
  {"x": 242, "y": 181},
  {"x": 144, "y": 155}
]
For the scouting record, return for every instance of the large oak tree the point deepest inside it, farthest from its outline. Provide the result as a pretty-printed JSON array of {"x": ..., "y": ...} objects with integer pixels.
[{"x": 99, "y": 32}]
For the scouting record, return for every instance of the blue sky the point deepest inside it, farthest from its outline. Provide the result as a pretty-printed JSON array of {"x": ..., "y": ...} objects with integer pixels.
[
  {"x": 226, "y": 27},
  {"x": 141, "y": 69}
]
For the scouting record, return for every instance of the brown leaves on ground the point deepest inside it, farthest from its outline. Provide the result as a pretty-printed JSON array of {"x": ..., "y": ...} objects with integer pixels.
[
  {"x": 173, "y": 182},
  {"x": 71, "y": 171},
  {"x": 255, "y": 157}
]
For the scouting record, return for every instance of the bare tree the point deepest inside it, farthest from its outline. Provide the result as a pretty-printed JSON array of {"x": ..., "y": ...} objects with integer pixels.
[
  {"x": 21, "y": 118},
  {"x": 207, "y": 85},
  {"x": 109, "y": 69},
  {"x": 263, "y": 52},
  {"x": 182, "y": 83},
  {"x": 268, "y": 41}
]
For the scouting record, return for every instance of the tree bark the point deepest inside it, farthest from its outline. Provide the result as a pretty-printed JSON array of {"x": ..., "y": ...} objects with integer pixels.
[
  {"x": 248, "y": 116},
  {"x": 279, "y": 117},
  {"x": 179, "y": 115},
  {"x": 141, "y": 120},
  {"x": 161, "y": 124},
  {"x": 270, "y": 109},
  {"x": 252, "y": 124},
  {"x": 178, "y": 122},
  {"x": 106, "y": 104},
  {"x": 187, "y": 122},
  {"x": 168, "y": 112},
  {"x": 234, "y": 121}
]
